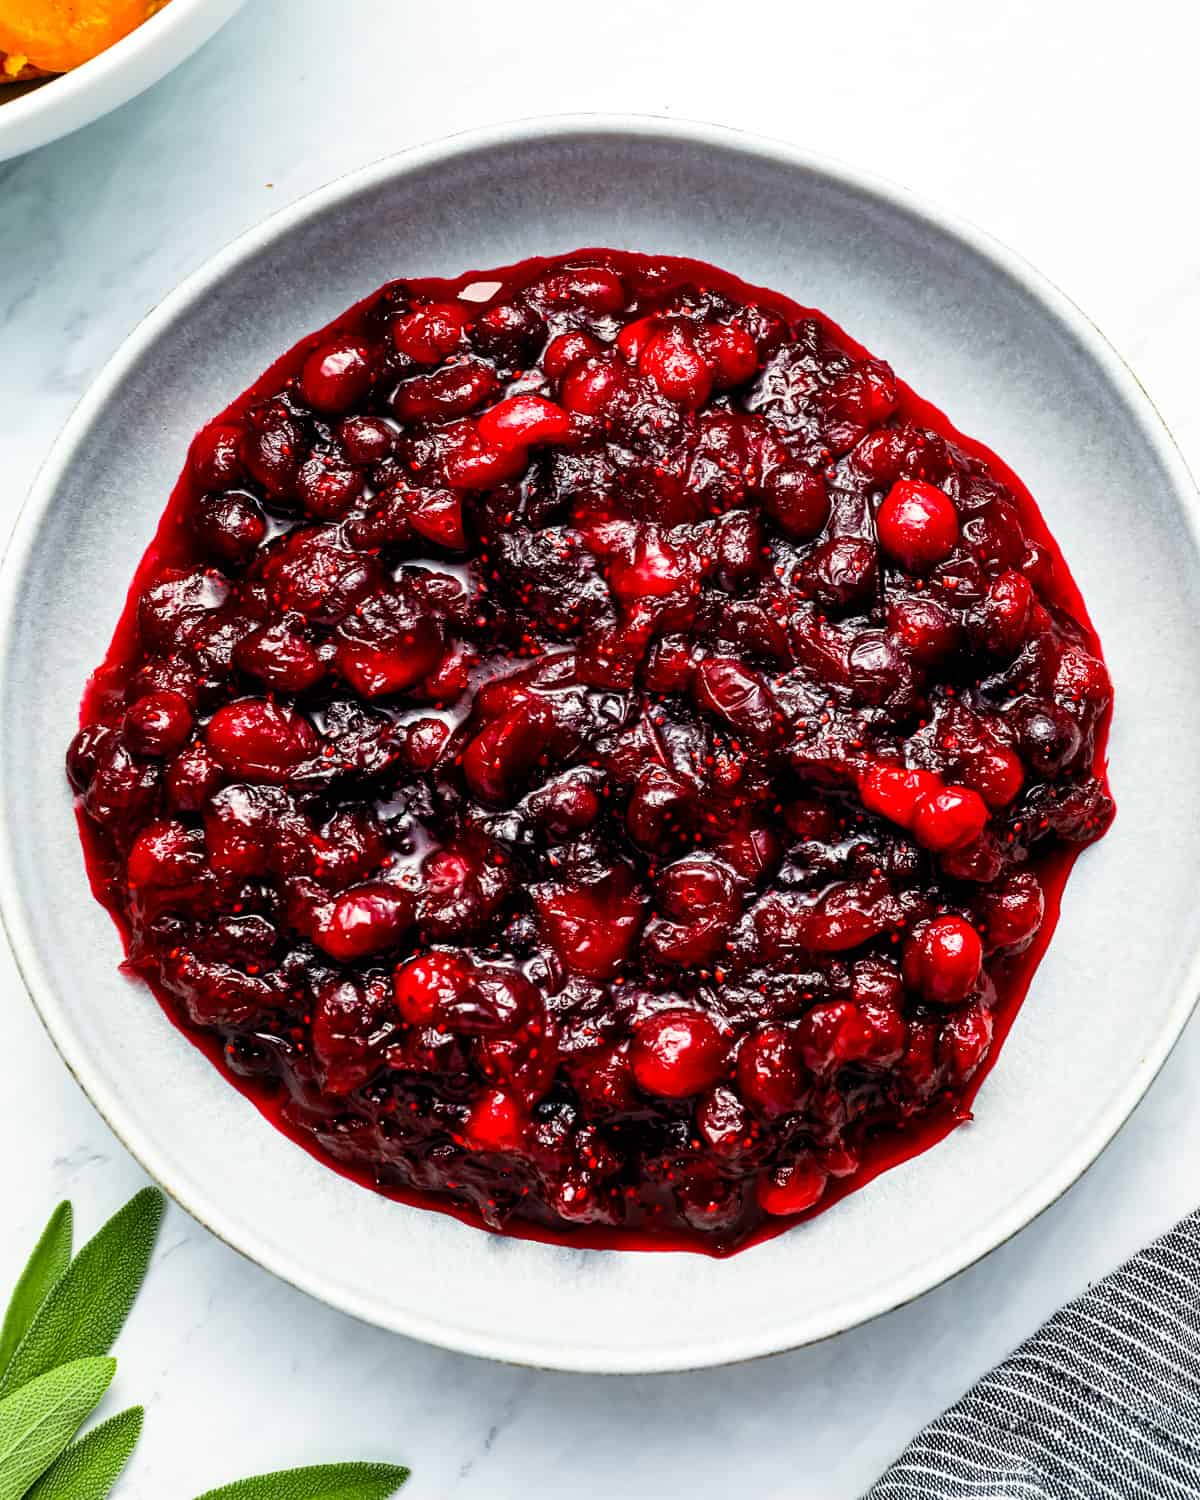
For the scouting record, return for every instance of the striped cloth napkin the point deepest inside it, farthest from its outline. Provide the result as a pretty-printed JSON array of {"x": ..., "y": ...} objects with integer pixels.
[{"x": 1102, "y": 1403}]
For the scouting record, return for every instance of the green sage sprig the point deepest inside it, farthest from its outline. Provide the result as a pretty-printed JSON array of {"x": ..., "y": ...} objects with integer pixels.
[{"x": 63, "y": 1317}]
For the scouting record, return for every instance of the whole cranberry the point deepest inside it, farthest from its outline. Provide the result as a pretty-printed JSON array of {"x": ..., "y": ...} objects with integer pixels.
[
  {"x": 604, "y": 1082},
  {"x": 83, "y": 752},
  {"x": 257, "y": 738},
  {"x": 497, "y": 1122},
  {"x": 769, "y": 1073},
  {"x": 1013, "y": 912},
  {"x": 165, "y": 853},
  {"x": 949, "y": 818},
  {"x": 158, "y": 724},
  {"x": 427, "y": 333},
  {"x": 841, "y": 571},
  {"x": 730, "y": 352},
  {"x": 593, "y": 288},
  {"x": 567, "y": 350},
  {"x": 1049, "y": 737},
  {"x": 740, "y": 698},
  {"x": 425, "y": 985},
  {"x": 566, "y": 807},
  {"x": 1082, "y": 679},
  {"x": 672, "y": 361},
  {"x": 917, "y": 525},
  {"x": 791, "y": 1189},
  {"x": 365, "y": 920},
  {"x": 273, "y": 448},
  {"x": 926, "y": 631},
  {"x": 589, "y": 387},
  {"x": 995, "y": 772},
  {"x": 509, "y": 332},
  {"x": 216, "y": 456},
  {"x": 833, "y": 1034},
  {"x": 865, "y": 394},
  {"x": 943, "y": 959},
  {"x": 451, "y": 391},
  {"x": 280, "y": 657},
  {"x": 365, "y": 440},
  {"x": 424, "y": 741},
  {"x": 677, "y": 1053},
  {"x": 337, "y": 375},
  {"x": 1005, "y": 613},
  {"x": 327, "y": 487},
  {"x": 497, "y": 1001},
  {"x": 895, "y": 791},
  {"x": 192, "y": 777},
  {"x": 798, "y": 501},
  {"x": 229, "y": 527}
]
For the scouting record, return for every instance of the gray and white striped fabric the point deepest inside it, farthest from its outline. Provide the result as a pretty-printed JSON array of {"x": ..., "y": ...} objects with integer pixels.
[{"x": 1102, "y": 1403}]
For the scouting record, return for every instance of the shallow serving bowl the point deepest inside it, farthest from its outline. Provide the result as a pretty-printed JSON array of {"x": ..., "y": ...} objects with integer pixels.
[
  {"x": 33, "y": 113},
  {"x": 971, "y": 327}
]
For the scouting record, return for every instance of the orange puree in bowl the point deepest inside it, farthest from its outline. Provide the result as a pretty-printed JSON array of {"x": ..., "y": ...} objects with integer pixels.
[{"x": 53, "y": 36}]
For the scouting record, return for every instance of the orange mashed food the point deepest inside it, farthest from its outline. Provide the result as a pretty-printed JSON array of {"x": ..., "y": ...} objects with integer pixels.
[{"x": 54, "y": 36}]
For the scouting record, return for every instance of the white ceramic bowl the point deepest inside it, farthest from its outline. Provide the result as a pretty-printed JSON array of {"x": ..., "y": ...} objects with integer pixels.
[
  {"x": 975, "y": 330},
  {"x": 32, "y": 114}
]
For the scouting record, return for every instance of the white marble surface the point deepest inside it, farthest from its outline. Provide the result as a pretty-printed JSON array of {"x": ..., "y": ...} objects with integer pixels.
[{"x": 1068, "y": 130}]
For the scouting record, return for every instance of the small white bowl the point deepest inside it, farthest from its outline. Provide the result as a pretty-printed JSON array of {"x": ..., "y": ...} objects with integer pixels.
[
  {"x": 32, "y": 114},
  {"x": 974, "y": 329}
]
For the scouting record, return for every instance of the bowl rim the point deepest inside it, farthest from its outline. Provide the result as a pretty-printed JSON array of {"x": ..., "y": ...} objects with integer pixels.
[
  {"x": 157, "y": 1163},
  {"x": 64, "y": 102}
]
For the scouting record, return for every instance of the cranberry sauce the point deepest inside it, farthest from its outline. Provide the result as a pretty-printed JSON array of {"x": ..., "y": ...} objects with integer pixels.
[{"x": 588, "y": 749}]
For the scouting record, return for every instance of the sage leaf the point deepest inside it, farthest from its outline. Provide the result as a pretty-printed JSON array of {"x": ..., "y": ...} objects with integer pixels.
[
  {"x": 325, "y": 1482},
  {"x": 89, "y": 1468},
  {"x": 40, "y": 1419},
  {"x": 51, "y": 1257},
  {"x": 87, "y": 1308}
]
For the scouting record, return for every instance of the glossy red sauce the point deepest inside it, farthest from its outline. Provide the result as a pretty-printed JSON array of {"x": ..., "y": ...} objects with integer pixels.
[{"x": 876, "y": 1147}]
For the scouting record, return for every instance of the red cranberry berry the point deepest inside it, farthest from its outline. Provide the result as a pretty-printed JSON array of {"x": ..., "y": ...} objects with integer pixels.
[
  {"x": 229, "y": 528},
  {"x": 497, "y": 1122},
  {"x": 672, "y": 361},
  {"x": 337, "y": 375},
  {"x": 791, "y": 1189},
  {"x": 677, "y": 1053},
  {"x": 917, "y": 525},
  {"x": 368, "y": 919},
  {"x": 567, "y": 350},
  {"x": 730, "y": 352},
  {"x": 942, "y": 960},
  {"x": 165, "y": 853},
  {"x": 216, "y": 456},
  {"x": 588, "y": 388},
  {"x": 521, "y": 421},
  {"x": 769, "y": 1075},
  {"x": 949, "y": 818},
  {"x": 428, "y": 985},
  {"x": 595, "y": 288},
  {"x": 365, "y": 440},
  {"x": 798, "y": 501},
  {"x": 257, "y": 738},
  {"x": 429, "y": 332},
  {"x": 158, "y": 724},
  {"x": 896, "y": 791},
  {"x": 1014, "y": 911}
]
